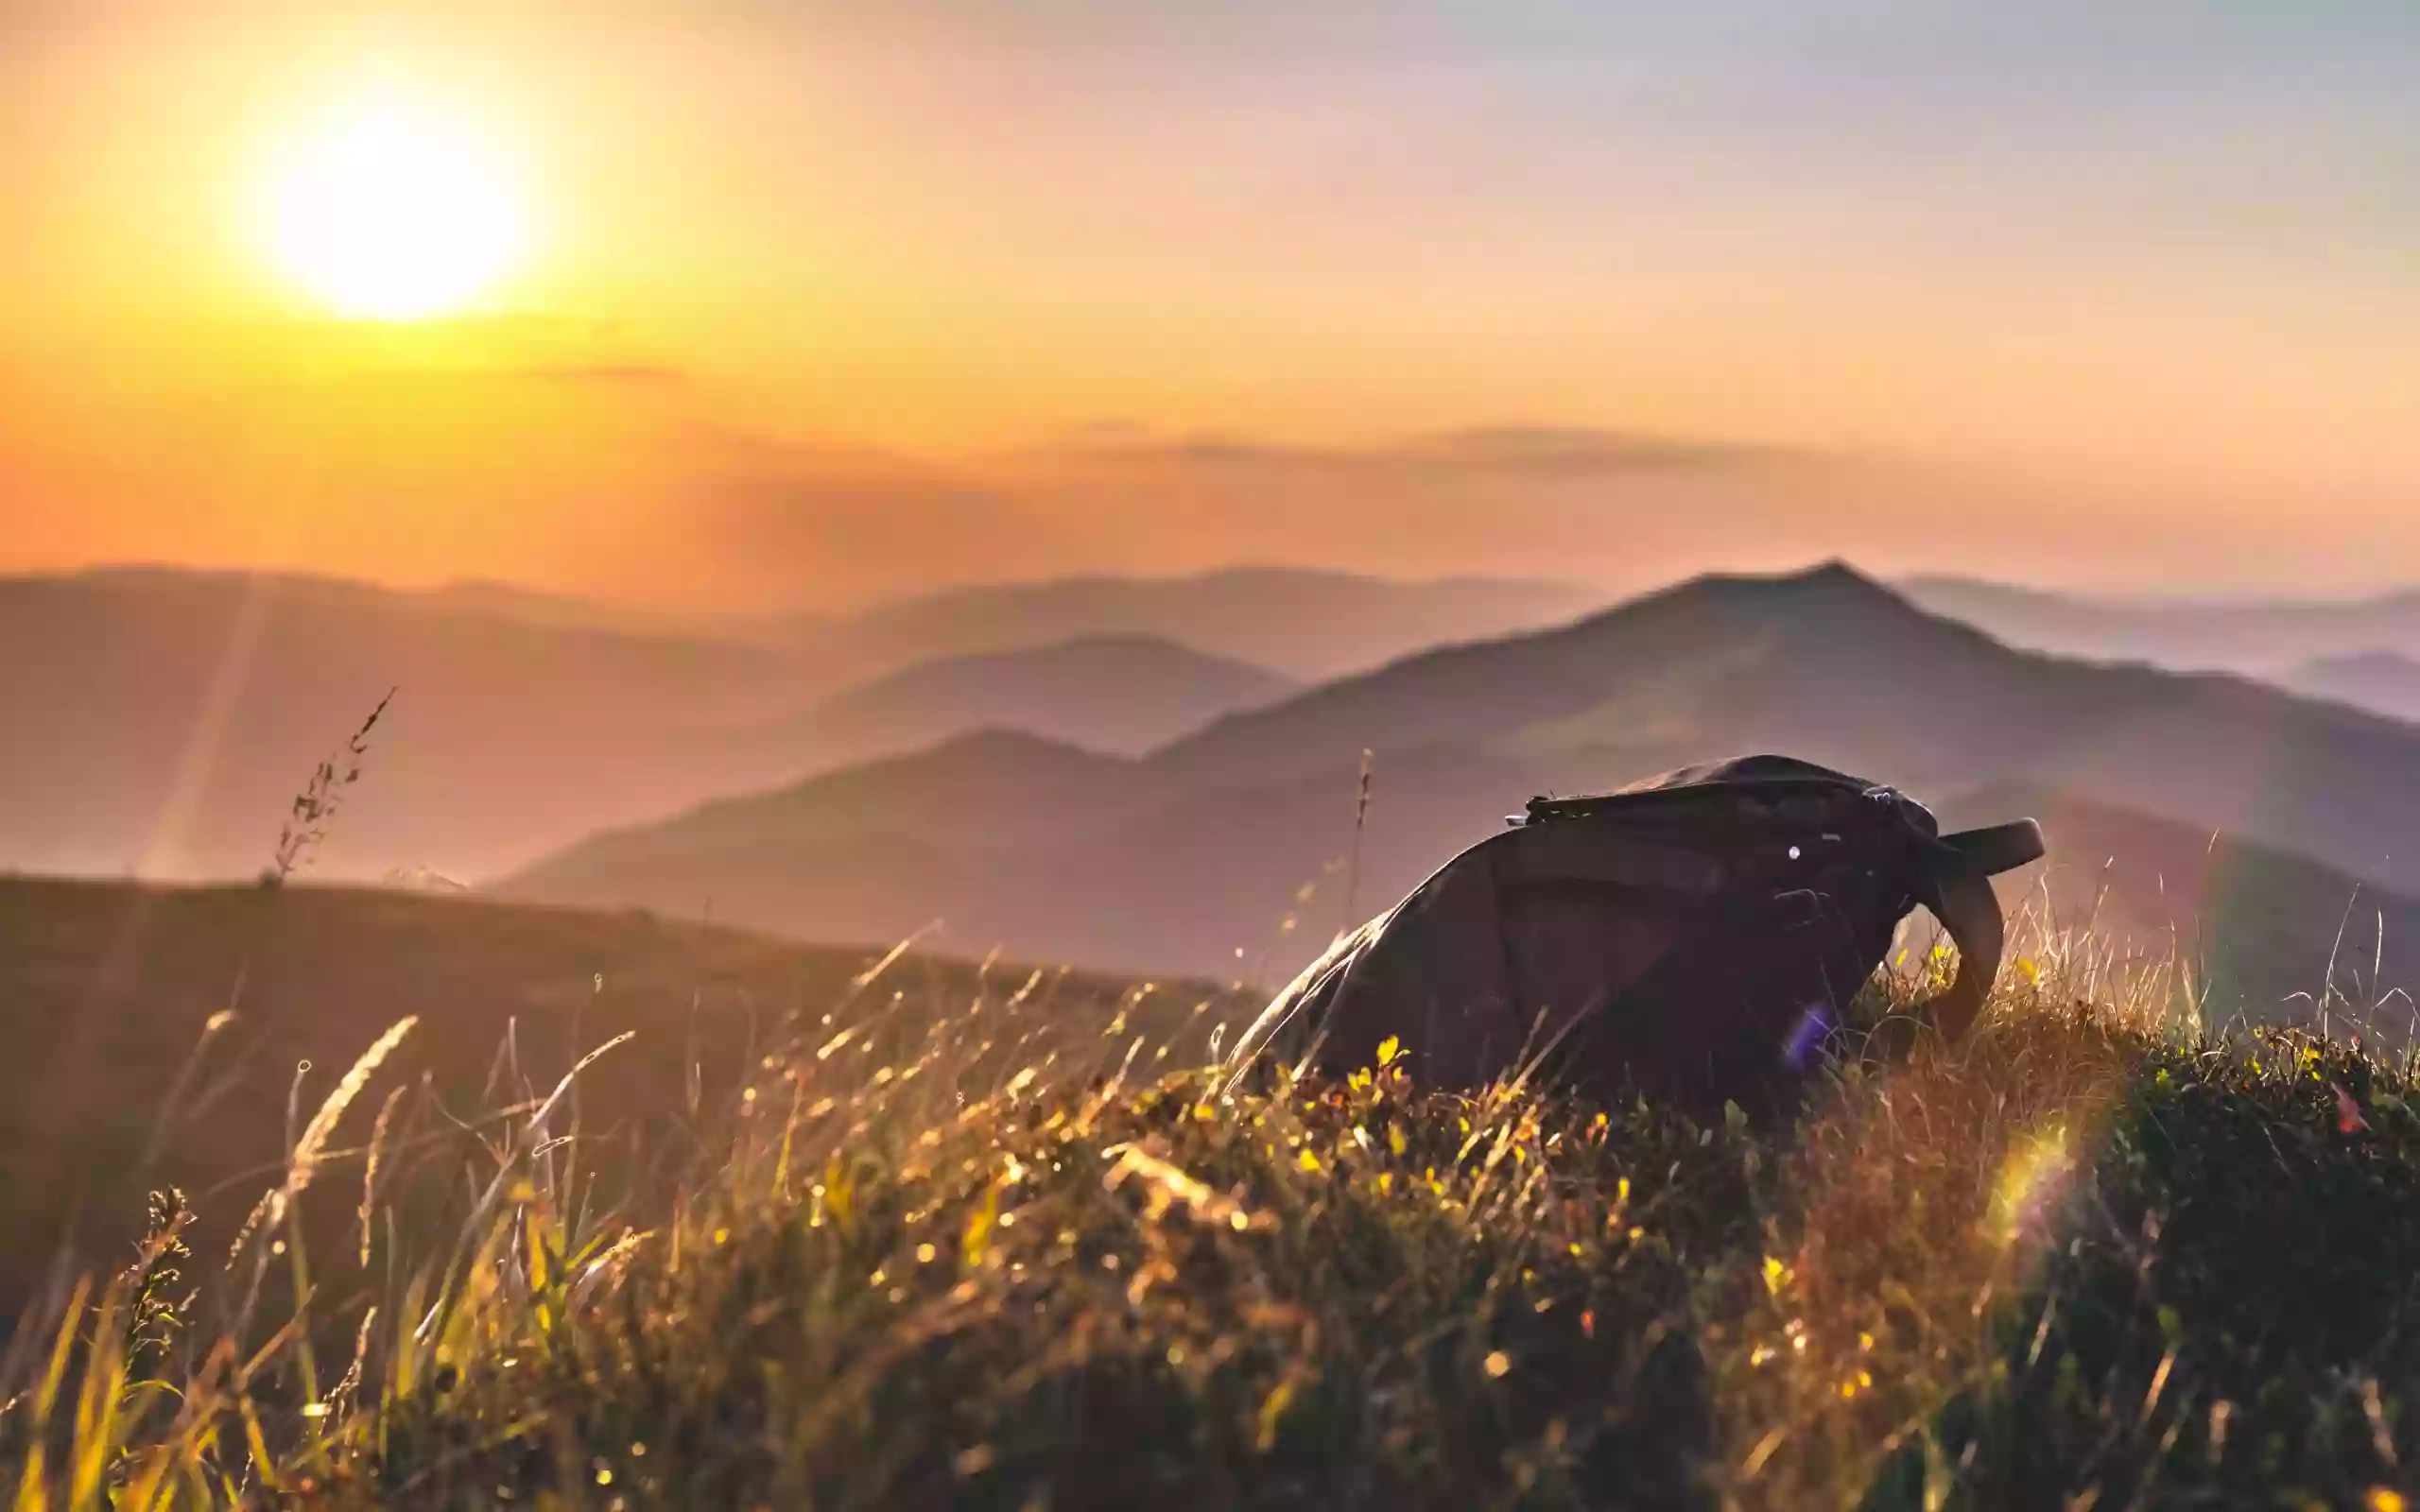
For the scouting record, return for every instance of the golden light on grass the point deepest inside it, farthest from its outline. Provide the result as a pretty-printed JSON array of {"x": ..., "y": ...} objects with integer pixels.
[
  {"x": 392, "y": 210},
  {"x": 2028, "y": 1180}
]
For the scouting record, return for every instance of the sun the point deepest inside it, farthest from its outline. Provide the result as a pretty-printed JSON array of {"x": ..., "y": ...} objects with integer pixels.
[{"x": 391, "y": 211}]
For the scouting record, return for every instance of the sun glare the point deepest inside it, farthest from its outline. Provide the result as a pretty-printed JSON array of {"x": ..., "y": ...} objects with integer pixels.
[{"x": 392, "y": 213}]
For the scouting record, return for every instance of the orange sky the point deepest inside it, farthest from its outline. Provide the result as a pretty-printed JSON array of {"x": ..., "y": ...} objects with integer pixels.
[{"x": 823, "y": 307}]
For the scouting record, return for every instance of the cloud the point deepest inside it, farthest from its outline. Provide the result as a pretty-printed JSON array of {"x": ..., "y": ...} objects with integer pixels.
[
  {"x": 1519, "y": 451},
  {"x": 1566, "y": 450}
]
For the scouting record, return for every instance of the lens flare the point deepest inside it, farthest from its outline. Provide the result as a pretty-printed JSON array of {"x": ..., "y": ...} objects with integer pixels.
[{"x": 2029, "y": 1182}]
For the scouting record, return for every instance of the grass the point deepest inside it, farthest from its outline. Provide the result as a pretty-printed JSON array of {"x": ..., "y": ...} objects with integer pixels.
[
  {"x": 106, "y": 990},
  {"x": 968, "y": 1244}
]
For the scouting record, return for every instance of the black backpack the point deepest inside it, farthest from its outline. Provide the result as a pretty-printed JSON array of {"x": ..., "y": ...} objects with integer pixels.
[{"x": 1696, "y": 937}]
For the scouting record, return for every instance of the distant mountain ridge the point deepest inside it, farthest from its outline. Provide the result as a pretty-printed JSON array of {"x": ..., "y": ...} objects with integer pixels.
[
  {"x": 169, "y": 715},
  {"x": 1306, "y": 624},
  {"x": 1123, "y": 694},
  {"x": 2263, "y": 638},
  {"x": 169, "y": 718},
  {"x": 2257, "y": 929},
  {"x": 2385, "y": 682},
  {"x": 1195, "y": 853}
]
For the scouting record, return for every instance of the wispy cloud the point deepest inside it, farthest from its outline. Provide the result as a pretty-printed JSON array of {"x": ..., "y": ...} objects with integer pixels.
[
  {"x": 1531, "y": 449},
  {"x": 1532, "y": 452}
]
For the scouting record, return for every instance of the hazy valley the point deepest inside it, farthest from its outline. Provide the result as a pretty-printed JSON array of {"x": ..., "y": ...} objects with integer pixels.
[
  {"x": 2164, "y": 791},
  {"x": 170, "y": 716}
]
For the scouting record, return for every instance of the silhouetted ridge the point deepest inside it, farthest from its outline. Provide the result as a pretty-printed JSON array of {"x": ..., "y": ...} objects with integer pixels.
[
  {"x": 2264, "y": 638},
  {"x": 991, "y": 786},
  {"x": 1177, "y": 860},
  {"x": 1832, "y": 593},
  {"x": 2385, "y": 682},
  {"x": 1692, "y": 635},
  {"x": 171, "y": 713}
]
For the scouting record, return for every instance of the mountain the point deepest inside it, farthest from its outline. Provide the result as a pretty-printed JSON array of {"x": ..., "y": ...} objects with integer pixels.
[
  {"x": 483, "y": 596},
  {"x": 1835, "y": 667},
  {"x": 2382, "y": 682},
  {"x": 1190, "y": 857},
  {"x": 1002, "y": 838},
  {"x": 162, "y": 722},
  {"x": 159, "y": 721},
  {"x": 1307, "y": 625},
  {"x": 2257, "y": 926},
  {"x": 1119, "y": 694},
  {"x": 2257, "y": 638}
]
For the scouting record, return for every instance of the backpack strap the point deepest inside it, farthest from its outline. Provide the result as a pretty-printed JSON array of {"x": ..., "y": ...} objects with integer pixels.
[
  {"x": 1970, "y": 911},
  {"x": 1996, "y": 847},
  {"x": 1957, "y": 887}
]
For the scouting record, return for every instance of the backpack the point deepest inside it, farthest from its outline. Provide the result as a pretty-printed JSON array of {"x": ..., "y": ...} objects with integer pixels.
[{"x": 1697, "y": 936}]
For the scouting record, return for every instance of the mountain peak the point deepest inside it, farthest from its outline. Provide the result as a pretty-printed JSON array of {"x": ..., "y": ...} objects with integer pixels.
[
  {"x": 1829, "y": 578},
  {"x": 1827, "y": 593},
  {"x": 1836, "y": 570}
]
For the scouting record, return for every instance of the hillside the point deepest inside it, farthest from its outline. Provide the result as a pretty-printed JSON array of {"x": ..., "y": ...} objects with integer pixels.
[
  {"x": 109, "y": 989},
  {"x": 1306, "y": 624},
  {"x": 941, "y": 1242},
  {"x": 1194, "y": 854},
  {"x": 1122, "y": 694},
  {"x": 2383, "y": 683},
  {"x": 2260, "y": 638},
  {"x": 1008, "y": 840},
  {"x": 171, "y": 716},
  {"x": 2255, "y": 926}
]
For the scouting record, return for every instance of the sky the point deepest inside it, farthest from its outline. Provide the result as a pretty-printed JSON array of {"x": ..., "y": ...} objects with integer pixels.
[{"x": 821, "y": 303}]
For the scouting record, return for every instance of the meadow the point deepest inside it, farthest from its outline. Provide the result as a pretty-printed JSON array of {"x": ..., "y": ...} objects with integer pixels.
[{"x": 960, "y": 1236}]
